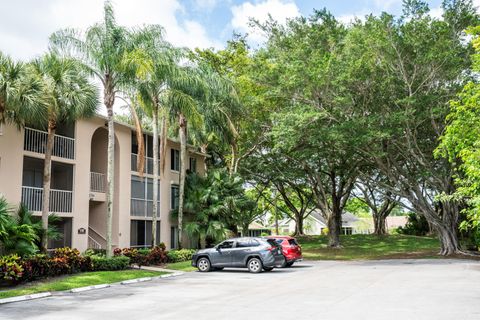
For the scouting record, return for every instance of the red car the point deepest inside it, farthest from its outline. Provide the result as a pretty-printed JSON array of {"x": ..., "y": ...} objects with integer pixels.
[{"x": 290, "y": 249}]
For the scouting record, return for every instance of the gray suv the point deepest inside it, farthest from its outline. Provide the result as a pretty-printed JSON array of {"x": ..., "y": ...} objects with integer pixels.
[{"x": 256, "y": 254}]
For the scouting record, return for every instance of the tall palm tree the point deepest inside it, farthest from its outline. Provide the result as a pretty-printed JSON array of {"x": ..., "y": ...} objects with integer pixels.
[
  {"x": 153, "y": 90},
  {"x": 68, "y": 96},
  {"x": 111, "y": 53},
  {"x": 190, "y": 90},
  {"x": 20, "y": 93}
]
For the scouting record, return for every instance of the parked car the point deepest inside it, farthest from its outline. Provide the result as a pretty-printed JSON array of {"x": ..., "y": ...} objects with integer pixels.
[
  {"x": 290, "y": 249},
  {"x": 256, "y": 254}
]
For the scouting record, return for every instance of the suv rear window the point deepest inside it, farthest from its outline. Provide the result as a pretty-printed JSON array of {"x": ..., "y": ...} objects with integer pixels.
[
  {"x": 292, "y": 242},
  {"x": 273, "y": 242}
]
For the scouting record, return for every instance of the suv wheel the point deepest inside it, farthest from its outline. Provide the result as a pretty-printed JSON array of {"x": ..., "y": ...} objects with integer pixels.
[
  {"x": 254, "y": 265},
  {"x": 203, "y": 265}
]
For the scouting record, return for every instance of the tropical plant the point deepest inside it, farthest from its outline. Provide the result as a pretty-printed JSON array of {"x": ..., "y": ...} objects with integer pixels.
[
  {"x": 21, "y": 232},
  {"x": 21, "y": 97},
  {"x": 15, "y": 237},
  {"x": 68, "y": 96}
]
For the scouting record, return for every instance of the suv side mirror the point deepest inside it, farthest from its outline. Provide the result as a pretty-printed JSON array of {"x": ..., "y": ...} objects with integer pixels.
[{"x": 217, "y": 248}]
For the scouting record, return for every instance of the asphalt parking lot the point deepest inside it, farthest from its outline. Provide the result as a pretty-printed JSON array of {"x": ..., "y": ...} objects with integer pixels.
[{"x": 391, "y": 289}]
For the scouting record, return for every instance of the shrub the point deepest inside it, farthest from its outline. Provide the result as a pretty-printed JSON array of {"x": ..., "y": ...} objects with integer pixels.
[
  {"x": 11, "y": 268},
  {"x": 95, "y": 252},
  {"x": 416, "y": 225},
  {"x": 180, "y": 255},
  {"x": 110, "y": 264},
  {"x": 74, "y": 260},
  {"x": 157, "y": 255}
]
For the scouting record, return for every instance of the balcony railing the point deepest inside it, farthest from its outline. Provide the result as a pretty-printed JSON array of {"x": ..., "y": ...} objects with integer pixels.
[
  {"x": 97, "y": 182},
  {"x": 60, "y": 200},
  {"x": 143, "y": 208},
  {"x": 36, "y": 141},
  {"x": 148, "y": 164}
]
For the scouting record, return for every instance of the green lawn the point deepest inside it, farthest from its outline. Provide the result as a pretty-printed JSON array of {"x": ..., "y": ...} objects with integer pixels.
[
  {"x": 370, "y": 247},
  {"x": 77, "y": 281},
  {"x": 181, "y": 266}
]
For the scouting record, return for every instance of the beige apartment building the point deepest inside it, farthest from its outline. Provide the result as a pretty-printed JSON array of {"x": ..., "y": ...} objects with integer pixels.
[{"x": 78, "y": 182}]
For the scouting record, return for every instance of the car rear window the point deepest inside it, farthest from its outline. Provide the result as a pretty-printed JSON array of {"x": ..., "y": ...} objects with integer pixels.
[
  {"x": 273, "y": 243},
  {"x": 292, "y": 242}
]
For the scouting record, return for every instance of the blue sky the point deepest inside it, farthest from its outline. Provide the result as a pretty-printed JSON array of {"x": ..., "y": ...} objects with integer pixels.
[{"x": 24, "y": 31}]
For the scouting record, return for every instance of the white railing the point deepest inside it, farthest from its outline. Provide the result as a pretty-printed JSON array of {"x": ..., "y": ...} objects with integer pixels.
[
  {"x": 97, "y": 182},
  {"x": 148, "y": 164},
  {"x": 143, "y": 208},
  {"x": 93, "y": 244},
  {"x": 36, "y": 141},
  {"x": 60, "y": 200}
]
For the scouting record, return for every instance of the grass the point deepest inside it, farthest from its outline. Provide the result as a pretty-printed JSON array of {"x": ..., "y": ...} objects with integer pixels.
[
  {"x": 181, "y": 266},
  {"x": 370, "y": 247},
  {"x": 77, "y": 281}
]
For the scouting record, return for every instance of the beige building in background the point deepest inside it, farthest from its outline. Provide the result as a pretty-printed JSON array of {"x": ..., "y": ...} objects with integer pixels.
[{"x": 79, "y": 182}]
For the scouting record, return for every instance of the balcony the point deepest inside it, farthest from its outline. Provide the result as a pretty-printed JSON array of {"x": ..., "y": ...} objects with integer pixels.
[
  {"x": 97, "y": 182},
  {"x": 60, "y": 200},
  {"x": 36, "y": 141}
]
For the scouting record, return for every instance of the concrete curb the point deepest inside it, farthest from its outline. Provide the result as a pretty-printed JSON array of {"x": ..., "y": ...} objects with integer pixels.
[
  {"x": 83, "y": 289},
  {"x": 136, "y": 280},
  {"x": 26, "y": 297}
]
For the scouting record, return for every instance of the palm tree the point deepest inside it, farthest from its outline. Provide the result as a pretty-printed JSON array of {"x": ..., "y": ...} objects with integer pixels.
[
  {"x": 68, "y": 96},
  {"x": 20, "y": 93},
  {"x": 189, "y": 90},
  {"x": 112, "y": 54}
]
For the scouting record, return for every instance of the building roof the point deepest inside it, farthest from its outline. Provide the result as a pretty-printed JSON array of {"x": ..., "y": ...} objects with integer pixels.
[{"x": 348, "y": 219}]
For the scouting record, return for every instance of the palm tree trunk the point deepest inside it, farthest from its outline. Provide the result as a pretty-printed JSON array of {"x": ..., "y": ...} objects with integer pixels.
[
  {"x": 109, "y": 100},
  {"x": 47, "y": 173},
  {"x": 155, "y": 177},
  {"x": 183, "y": 151},
  {"x": 163, "y": 142}
]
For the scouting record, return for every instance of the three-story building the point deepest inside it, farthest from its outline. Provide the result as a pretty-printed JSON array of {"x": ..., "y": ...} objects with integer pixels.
[{"x": 78, "y": 182}]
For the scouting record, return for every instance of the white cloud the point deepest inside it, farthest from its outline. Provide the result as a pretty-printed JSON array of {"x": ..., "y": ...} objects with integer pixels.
[
  {"x": 350, "y": 18},
  {"x": 25, "y": 30},
  {"x": 385, "y": 5},
  {"x": 280, "y": 10},
  {"x": 206, "y": 4},
  {"x": 436, "y": 13}
]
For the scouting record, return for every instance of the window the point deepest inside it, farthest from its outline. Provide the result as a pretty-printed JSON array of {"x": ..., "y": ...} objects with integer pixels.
[
  {"x": 64, "y": 227},
  {"x": 175, "y": 160},
  {"x": 141, "y": 233},
  {"x": 141, "y": 202},
  {"x": 226, "y": 245},
  {"x": 174, "y": 196},
  {"x": 244, "y": 243},
  {"x": 292, "y": 242},
  {"x": 193, "y": 165},
  {"x": 173, "y": 237}
]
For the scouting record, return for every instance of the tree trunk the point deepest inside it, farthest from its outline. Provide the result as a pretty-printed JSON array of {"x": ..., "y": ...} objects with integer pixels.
[
  {"x": 183, "y": 151},
  {"x": 299, "y": 225},
  {"x": 448, "y": 241},
  {"x": 334, "y": 224},
  {"x": 47, "y": 170},
  {"x": 379, "y": 224},
  {"x": 163, "y": 142},
  {"x": 245, "y": 230},
  {"x": 155, "y": 177},
  {"x": 109, "y": 99}
]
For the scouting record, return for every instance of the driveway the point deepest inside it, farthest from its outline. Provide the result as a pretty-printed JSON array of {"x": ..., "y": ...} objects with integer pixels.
[{"x": 392, "y": 289}]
